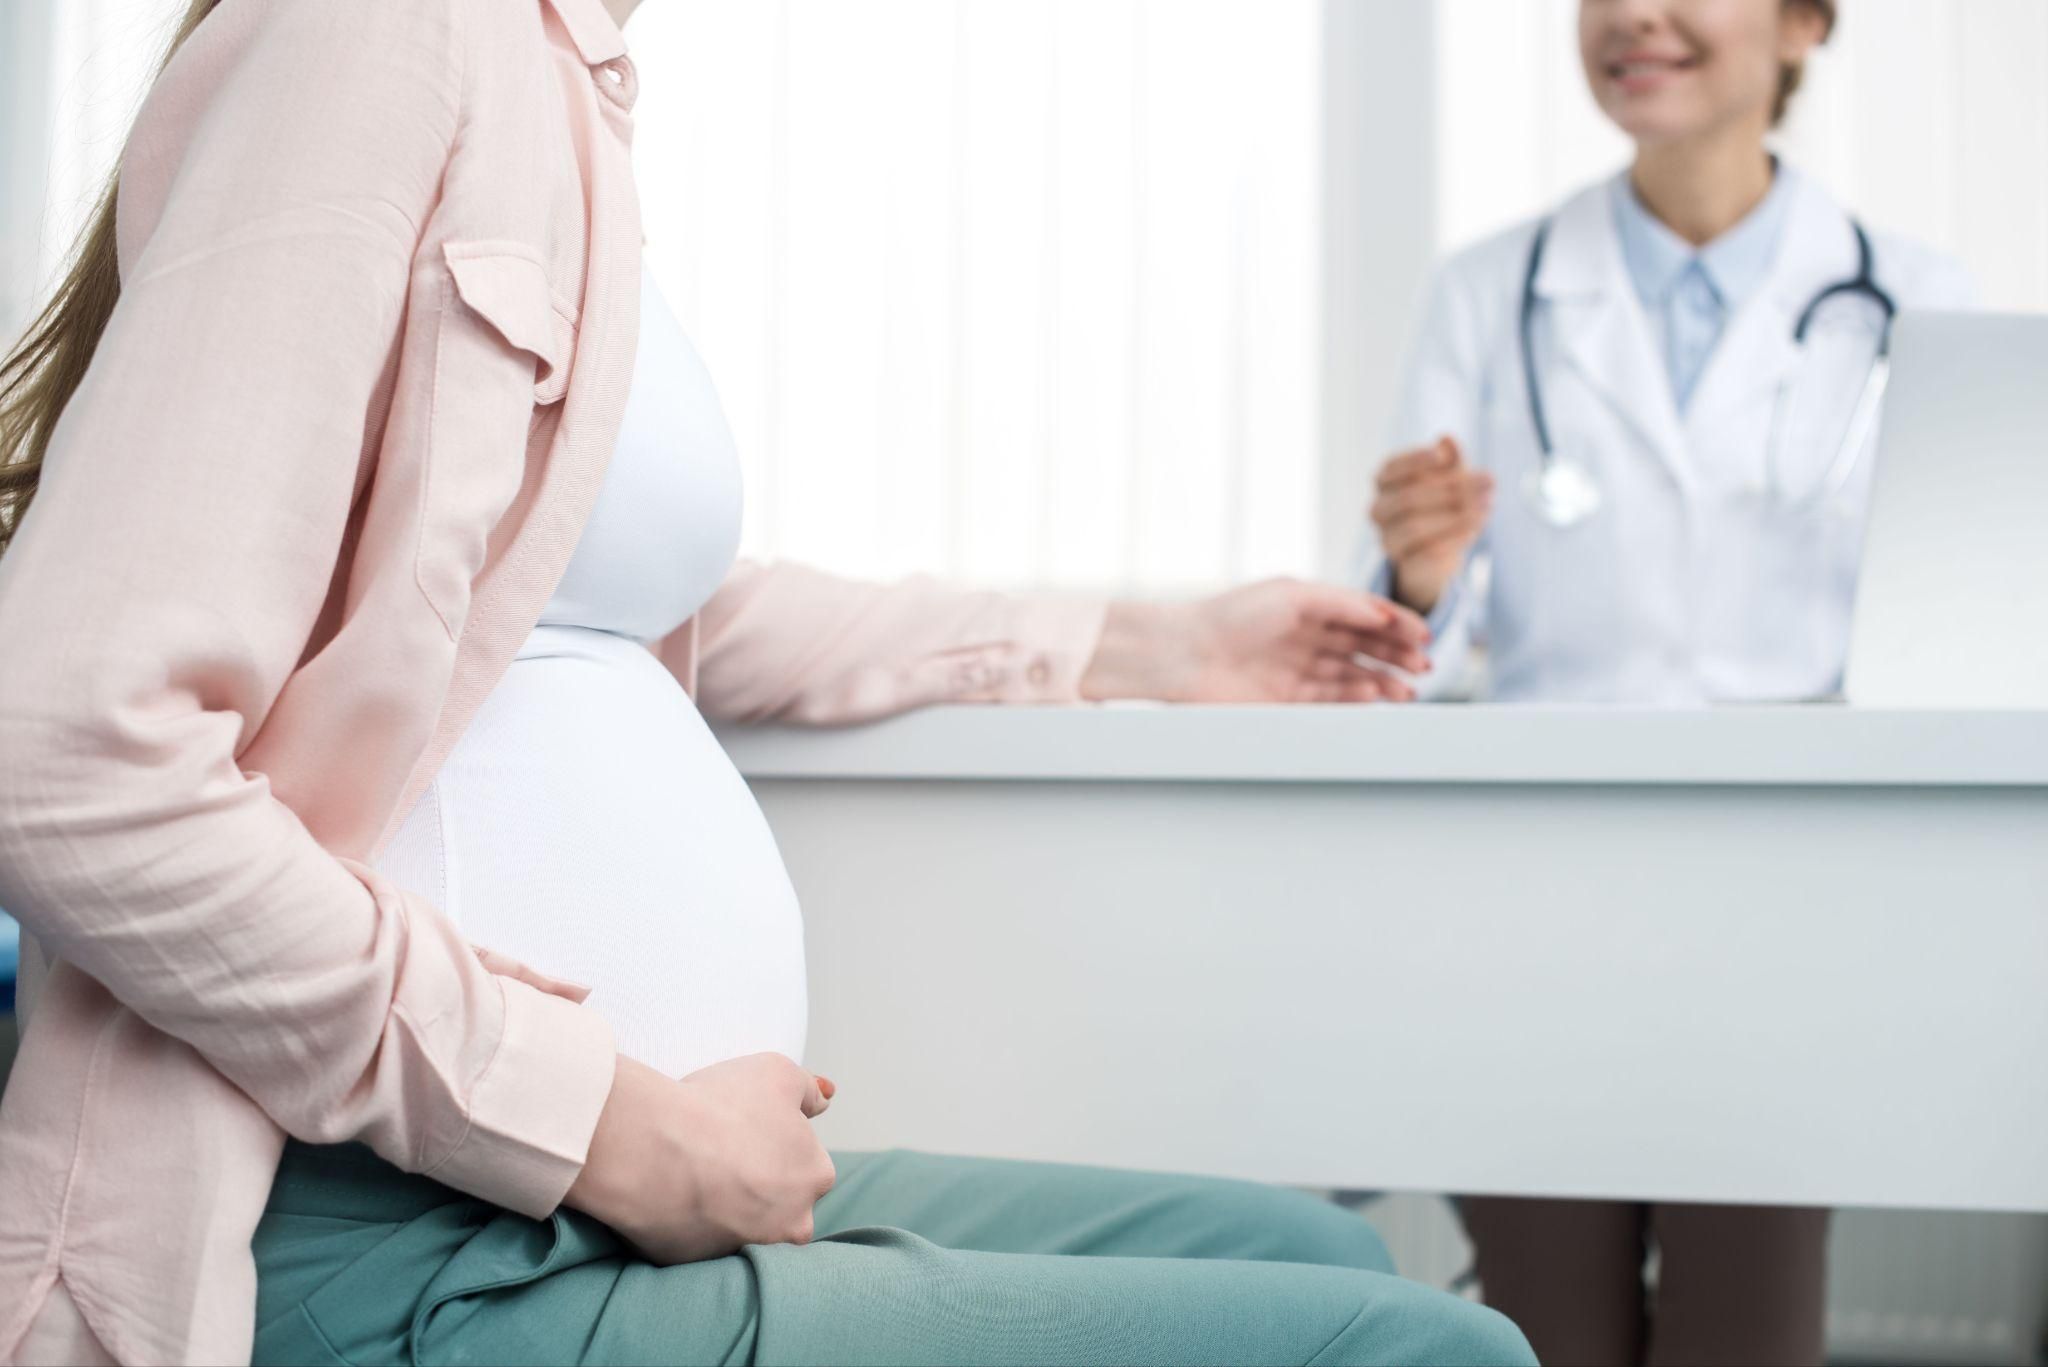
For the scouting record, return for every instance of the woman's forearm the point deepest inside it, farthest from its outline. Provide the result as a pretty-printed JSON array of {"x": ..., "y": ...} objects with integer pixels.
[{"x": 1146, "y": 651}]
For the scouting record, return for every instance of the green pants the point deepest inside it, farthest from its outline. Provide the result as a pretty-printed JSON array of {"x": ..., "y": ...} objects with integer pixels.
[{"x": 918, "y": 1260}]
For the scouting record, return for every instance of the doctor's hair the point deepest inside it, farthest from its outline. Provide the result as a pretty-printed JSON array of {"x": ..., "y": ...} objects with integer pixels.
[
  {"x": 41, "y": 372},
  {"x": 1791, "y": 74}
]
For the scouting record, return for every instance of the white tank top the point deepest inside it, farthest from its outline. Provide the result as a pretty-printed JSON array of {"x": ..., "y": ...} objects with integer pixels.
[{"x": 587, "y": 823}]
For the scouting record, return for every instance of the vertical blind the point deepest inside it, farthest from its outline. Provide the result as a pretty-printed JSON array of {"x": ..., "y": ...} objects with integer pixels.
[
  {"x": 1926, "y": 119},
  {"x": 72, "y": 74},
  {"x": 1016, "y": 291}
]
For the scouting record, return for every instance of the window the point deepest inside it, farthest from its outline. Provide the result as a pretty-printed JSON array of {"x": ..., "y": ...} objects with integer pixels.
[
  {"x": 71, "y": 77},
  {"x": 1018, "y": 291}
]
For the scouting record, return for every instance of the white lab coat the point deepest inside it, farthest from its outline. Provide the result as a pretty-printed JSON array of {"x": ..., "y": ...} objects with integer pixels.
[{"x": 1691, "y": 584}]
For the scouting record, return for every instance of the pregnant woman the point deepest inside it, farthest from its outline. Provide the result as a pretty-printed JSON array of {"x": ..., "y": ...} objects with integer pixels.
[{"x": 411, "y": 976}]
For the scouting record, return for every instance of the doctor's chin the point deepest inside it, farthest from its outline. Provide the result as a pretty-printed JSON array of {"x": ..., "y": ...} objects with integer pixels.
[{"x": 1024, "y": 682}]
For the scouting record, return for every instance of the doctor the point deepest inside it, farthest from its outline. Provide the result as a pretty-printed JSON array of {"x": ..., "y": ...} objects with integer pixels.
[{"x": 1650, "y": 412}]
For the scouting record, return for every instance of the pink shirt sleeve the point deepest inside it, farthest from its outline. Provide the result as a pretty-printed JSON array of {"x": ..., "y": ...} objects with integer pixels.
[{"x": 783, "y": 642}]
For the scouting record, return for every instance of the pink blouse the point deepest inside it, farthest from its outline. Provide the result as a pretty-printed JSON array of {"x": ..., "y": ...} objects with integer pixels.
[{"x": 338, "y": 441}]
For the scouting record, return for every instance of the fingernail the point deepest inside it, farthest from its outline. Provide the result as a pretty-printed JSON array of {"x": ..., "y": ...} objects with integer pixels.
[{"x": 826, "y": 1087}]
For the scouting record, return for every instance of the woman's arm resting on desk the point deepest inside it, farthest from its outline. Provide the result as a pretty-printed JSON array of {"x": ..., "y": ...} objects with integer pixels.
[{"x": 789, "y": 643}]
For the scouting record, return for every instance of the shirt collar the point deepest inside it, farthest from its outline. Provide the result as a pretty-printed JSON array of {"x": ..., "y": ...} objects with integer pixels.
[
  {"x": 1736, "y": 264},
  {"x": 591, "y": 27}
]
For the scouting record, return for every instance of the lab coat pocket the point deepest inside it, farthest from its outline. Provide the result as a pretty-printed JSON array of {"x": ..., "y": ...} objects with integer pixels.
[{"x": 504, "y": 346}]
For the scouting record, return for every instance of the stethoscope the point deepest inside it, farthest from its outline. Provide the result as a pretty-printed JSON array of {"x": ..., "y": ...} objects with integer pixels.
[{"x": 1562, "y": 489}]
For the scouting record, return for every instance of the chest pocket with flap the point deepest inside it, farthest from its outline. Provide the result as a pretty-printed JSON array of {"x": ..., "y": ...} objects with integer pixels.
[{"x": 503, "y": 353}]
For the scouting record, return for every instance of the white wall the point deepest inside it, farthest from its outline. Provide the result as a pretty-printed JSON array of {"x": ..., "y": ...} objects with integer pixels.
[
  {"x": 1381, "y": 232},
  {"x": 25, "y": 150}
]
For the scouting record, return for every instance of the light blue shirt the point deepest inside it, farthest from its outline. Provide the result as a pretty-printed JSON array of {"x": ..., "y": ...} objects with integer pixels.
[{"x": 1688, "y": 292}]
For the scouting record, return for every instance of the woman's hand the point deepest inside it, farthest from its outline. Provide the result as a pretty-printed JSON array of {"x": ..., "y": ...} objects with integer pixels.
[
  {"x": 694, "y": 1169},
  {"x": 1282, "y": 641},
  {"x": 1430, "y": 508}
]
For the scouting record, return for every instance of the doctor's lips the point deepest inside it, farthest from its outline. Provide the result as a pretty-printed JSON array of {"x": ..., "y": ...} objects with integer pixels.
[{"x": 1638, "y": 72}]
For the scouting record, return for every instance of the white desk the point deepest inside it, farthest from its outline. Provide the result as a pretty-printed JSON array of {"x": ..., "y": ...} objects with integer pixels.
[{"x": 1793, "y": 955}]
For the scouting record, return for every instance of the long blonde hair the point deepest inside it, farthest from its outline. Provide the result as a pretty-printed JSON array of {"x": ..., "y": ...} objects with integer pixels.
[{"x": 39, "y": 376}]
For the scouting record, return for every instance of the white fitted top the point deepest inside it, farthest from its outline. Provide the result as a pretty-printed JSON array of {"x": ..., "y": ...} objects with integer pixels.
[{"x": 587, "y": 822}]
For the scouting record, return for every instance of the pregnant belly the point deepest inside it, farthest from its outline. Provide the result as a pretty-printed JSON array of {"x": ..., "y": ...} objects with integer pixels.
[{"x": 588, "y": 823}]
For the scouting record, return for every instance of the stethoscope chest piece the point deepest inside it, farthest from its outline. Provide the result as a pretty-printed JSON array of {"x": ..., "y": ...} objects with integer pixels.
[{"x": 1562, "y": 491}]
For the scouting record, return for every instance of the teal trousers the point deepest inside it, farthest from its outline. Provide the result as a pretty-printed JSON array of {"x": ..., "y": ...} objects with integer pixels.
[{"x": 918, "y": 1260}]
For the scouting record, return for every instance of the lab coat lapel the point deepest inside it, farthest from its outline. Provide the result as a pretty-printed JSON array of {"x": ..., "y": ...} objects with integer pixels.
[
  {"x": 1597, "y": 327},
  {"x": 1757, "y": 353}
]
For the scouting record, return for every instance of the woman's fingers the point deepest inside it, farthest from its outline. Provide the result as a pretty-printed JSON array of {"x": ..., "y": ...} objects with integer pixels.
[
  {"x": 1376, "y": 688},
  {"x": 1326, "y": 605},
  {"x": 1386, "y": 687},
  {"x": 1350, "y": 682},
  {"x": 1332, "y": 693},
  {"x": 816, "y": 1098},
  {"x": 1335, "y": 678},
  {"x": 1394, "y": 650},
  {"x": 1399, "y": 654},
  {"x": 1332, "y": 668}
]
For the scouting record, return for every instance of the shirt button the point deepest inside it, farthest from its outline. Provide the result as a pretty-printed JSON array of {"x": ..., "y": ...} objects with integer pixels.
[
  {"x": 1040, "y": 672},
  {"x": 619, "y": 83},
  {"x": 977, "y": 676}
]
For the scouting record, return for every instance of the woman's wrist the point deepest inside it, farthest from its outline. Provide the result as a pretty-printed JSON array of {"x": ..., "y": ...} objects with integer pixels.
[
  {"x": 624, "y": 1147},
  {"x": 1145, "y": 652},
  {"x": 596, "y": 1190}
]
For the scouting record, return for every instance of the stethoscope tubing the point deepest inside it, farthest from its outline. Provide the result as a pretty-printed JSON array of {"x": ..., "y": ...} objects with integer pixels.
[{"x": 1863, "y": 284}]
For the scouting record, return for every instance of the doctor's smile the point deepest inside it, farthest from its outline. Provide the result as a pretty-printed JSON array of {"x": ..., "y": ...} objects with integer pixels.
[{"x": 1012, "y": 682}]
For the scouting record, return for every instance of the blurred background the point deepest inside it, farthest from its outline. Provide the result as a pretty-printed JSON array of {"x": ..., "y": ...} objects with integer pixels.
[{"x": 1111, "y": 294}]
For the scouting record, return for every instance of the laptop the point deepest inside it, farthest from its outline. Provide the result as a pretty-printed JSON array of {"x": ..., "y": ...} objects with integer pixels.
[{"x": 1952, "y": 604}]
